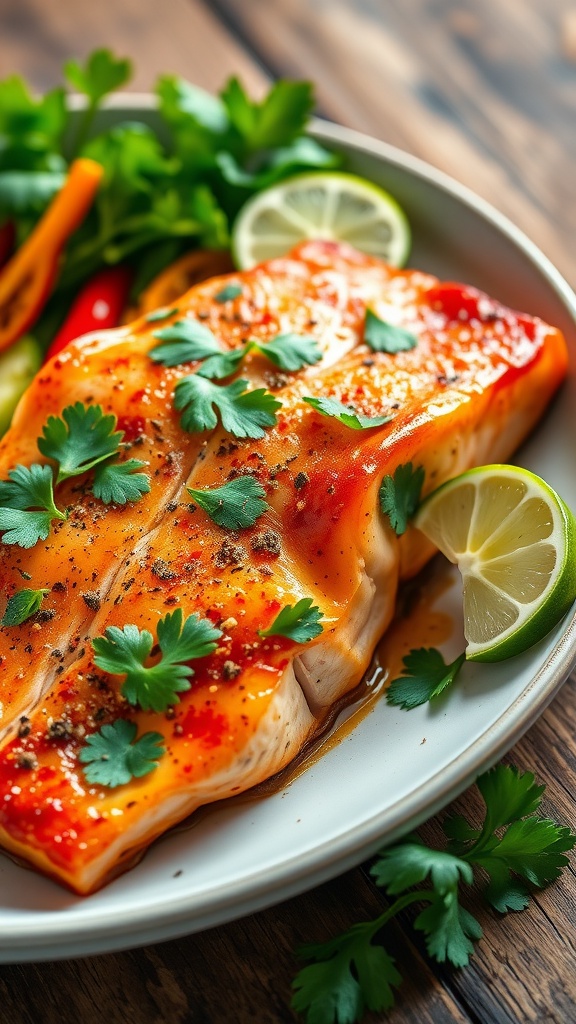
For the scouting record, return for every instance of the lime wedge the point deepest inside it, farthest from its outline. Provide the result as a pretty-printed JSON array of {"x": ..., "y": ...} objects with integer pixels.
[
  {"x": 514, "y": 542},
  {"x": 326, "y": 205}
]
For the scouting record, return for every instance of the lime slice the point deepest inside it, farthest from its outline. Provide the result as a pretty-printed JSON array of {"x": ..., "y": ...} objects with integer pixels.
[
  {"x": 323, "y": 204},
  {"x": 514, "y": 542}
]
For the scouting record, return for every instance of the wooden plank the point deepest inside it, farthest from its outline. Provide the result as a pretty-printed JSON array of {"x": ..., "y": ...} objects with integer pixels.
[{"x": 174, "y": 36}]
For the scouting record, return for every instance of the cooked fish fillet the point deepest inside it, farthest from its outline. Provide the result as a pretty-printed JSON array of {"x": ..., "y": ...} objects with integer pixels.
[{"x": 469, "y": 392}]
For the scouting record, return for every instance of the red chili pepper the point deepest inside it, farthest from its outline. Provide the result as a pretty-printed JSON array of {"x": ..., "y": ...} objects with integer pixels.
[
  {"x": 98, "y": 306},
  {"x": 7, "y": 239}
]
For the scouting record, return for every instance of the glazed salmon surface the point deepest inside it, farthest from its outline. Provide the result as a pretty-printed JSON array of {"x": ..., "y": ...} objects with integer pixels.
[{"x": 468, "y": 393}]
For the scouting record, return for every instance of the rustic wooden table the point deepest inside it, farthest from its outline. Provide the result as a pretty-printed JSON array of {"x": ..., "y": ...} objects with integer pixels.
[{"x": 486, "y": 91}]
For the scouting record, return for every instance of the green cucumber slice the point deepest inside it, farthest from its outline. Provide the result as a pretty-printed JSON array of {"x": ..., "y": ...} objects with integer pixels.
[{"x": 18, "y": 365}]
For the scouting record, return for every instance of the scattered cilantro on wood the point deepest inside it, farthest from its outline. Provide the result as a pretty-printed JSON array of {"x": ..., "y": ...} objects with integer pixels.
[
  {"x": 384, "y": 337},
  {"x": 351, "y": 973},
  {"x": 243, "y": 413},
  {"x": 356, "y": 421},
  {"x": 22, "y": 605},
  {"x": 112, "y": 756},
  {"x": 155, "y": 686},
  {"x": 425, "y": 676},
  {"x": 300, "y": 622},
  {"x": 399, "y": 495},
  {"x": 235, "y": 505}
]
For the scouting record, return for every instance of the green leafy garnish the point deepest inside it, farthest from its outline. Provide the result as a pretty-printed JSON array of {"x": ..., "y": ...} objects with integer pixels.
[
  {"x": 228, "y": 292},
  {"x": 161, "y": 314},
  {"x": 27, "y": 505},
  {"x": 79, "y": 439},
  {"x": 300, "y": 623},
  {"x": 346, "y": 415},
  {"x": 289, "y": 351},
  {"x": 112, "y": 756},
  {"x": 222, "y": 364},
  {"x": 183, "y": 342},
  {"x": 101, "y": 74},
  {"x": 120, "y": 482},
  {"x": 399, "y": 495},
  {"x": 235, "y": 505},
  {"x": 351, "y": 973},
  {"x": 383, "y": 337},
  {"x": 155, "y": 686},
  {"x": 425, "y": 676},
  {"x": 243, "y": 413},
  {"x": 22, "y": 605}
]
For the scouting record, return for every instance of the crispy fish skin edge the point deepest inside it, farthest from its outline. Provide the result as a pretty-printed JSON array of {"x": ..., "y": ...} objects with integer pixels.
[{"x": 500, "y": 436}]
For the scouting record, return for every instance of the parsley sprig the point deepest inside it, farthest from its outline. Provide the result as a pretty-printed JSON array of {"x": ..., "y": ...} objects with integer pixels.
[
  {"x": 425, "y": 676},
  {"x": 243, "y": 413},
  {"x": 235, "y": 505},
  {"x": 351, "y": 973},
  {"x": 112, "y": 757},
  {"x": 300, "y": 622},
  {"x": 155, "y": 686},
  {"x": 345, "y": 414}
]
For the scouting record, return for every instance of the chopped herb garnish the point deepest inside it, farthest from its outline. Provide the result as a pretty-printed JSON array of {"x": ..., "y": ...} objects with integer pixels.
[
  {"x": 352, "y": 973},
  {"x": 230, "y": 291},
  {"x": 112, "y": 756},
  {"x": 243, "y": 413},
  {"x": 161, "y": 314},
  {"x": 383, "y": 337},
  {"x": 79, "y": 439},
  {"x": 300, "y": 623},
  {"x": 399, "y": 495},
  {"x": 154, "y": 687},
  {"x": 22, "y": 605},
  {"x": 425, "y": 676},
  {"x": 346, "y": 415},
  {"x": 222, "y": 364},
  {"x": 185, "y": 341},
  {"x": 120, "y": 482},
  {"x": 235, "y": 505},
  {"x": 289, "y": 351},
  {"x": 27, "y": 505}
]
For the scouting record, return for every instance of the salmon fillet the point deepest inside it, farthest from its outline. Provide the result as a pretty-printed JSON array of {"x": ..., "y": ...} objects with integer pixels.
[{"x": 469, "y": 392}]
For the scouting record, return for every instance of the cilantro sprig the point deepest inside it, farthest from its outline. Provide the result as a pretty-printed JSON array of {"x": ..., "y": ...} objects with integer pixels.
[
  {"x": 22, "y": 605},
  {"x": 399, "y": 495},
  {"x": 112, "y": 756},
  {"x": 345, "y": 414},
  {"x": 300, "y": 622},
  {"x": 128, "y": 651},
  {"x": 235, "y": 505},
  {"x": 425, "y": 676},
  {"x": 27, "y": 507},
  {"x": 352, "y": 973},
  {"x": 189, "y": 341},
  {"x": 381, "y": 336},
  {"x": 79, "y": 439},
  {"x": 243, "y": 413}
]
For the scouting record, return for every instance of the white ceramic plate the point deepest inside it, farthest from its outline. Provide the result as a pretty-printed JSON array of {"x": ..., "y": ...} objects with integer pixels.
[{"x": 382, "y": 779}]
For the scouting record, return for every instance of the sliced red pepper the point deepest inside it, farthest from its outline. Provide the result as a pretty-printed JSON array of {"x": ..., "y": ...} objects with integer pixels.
[
  {"x": 7, "y": 239},
  {"x": 98, "y": 305},
  {"x": 26, "y": 280}
]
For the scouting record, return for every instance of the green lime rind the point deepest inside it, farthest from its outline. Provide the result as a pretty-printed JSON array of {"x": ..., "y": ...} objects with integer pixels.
[{"x": 559, "y": 595}]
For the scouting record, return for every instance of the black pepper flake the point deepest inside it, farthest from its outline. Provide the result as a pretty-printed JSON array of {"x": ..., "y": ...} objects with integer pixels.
[
  {"x": 171, "y": 506},
  {"x": 92, "y": 599},
  {"x": 28, "y": 761},
  {"x": 60, "y": 588},
  {"x": 162, "y": 570},
  {"x": 300, "y": 481},
  {"x": 268, "y": 542},
  {"x": 59, "y": 729},
  {"x": 229, "y": 554},
  {"x": 230, "y": 670},
  {"x": 331, "y": 489},
  {"x": 25, "y": 727},
  {"x": 56, "y": 653}
]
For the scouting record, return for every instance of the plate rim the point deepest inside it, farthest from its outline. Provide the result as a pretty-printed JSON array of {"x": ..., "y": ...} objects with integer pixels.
[{"x": 165, "y": 919}]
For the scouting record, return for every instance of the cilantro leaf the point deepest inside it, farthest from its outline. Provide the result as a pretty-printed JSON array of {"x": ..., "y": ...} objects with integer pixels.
[
  {"x": 22, "y": 605},
  {"x": 399, "y": 495},
  {"x": 383, "y": 337},
  {"x": 27, "y": 505},
  {"x": 449, "y": 929},
  {"x": 183, "y": 342},
  {"x": 290, "y": 351},
  {"x": 346, "y": 415},
  {"x": 350, "y": 975},
  {"x": 222, "y": 364},
  {"x": 235, "y": 505},
  {"x": 101, "y": 74},
  {"x": 79, "y": 439},
  {"x": 425, "y": 676},
  {"x": 243, "y": 413},
  {"x": 276, "y": 121},
  {"x": 408, "y": 863},
  {"x": 228, "y": 292},
  {"x": 112, "y": 758},
  {"x": 119, "y": 482},
  {"x": 160, "y": 314},
  {"x": 300, "y": 623},
  {"x": 508, "y": 795},
  {"x": 154, "y": 687}
]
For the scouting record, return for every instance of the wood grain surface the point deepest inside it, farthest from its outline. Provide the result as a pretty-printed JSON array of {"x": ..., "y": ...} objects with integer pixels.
[{"x": 487, "y": 91}]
